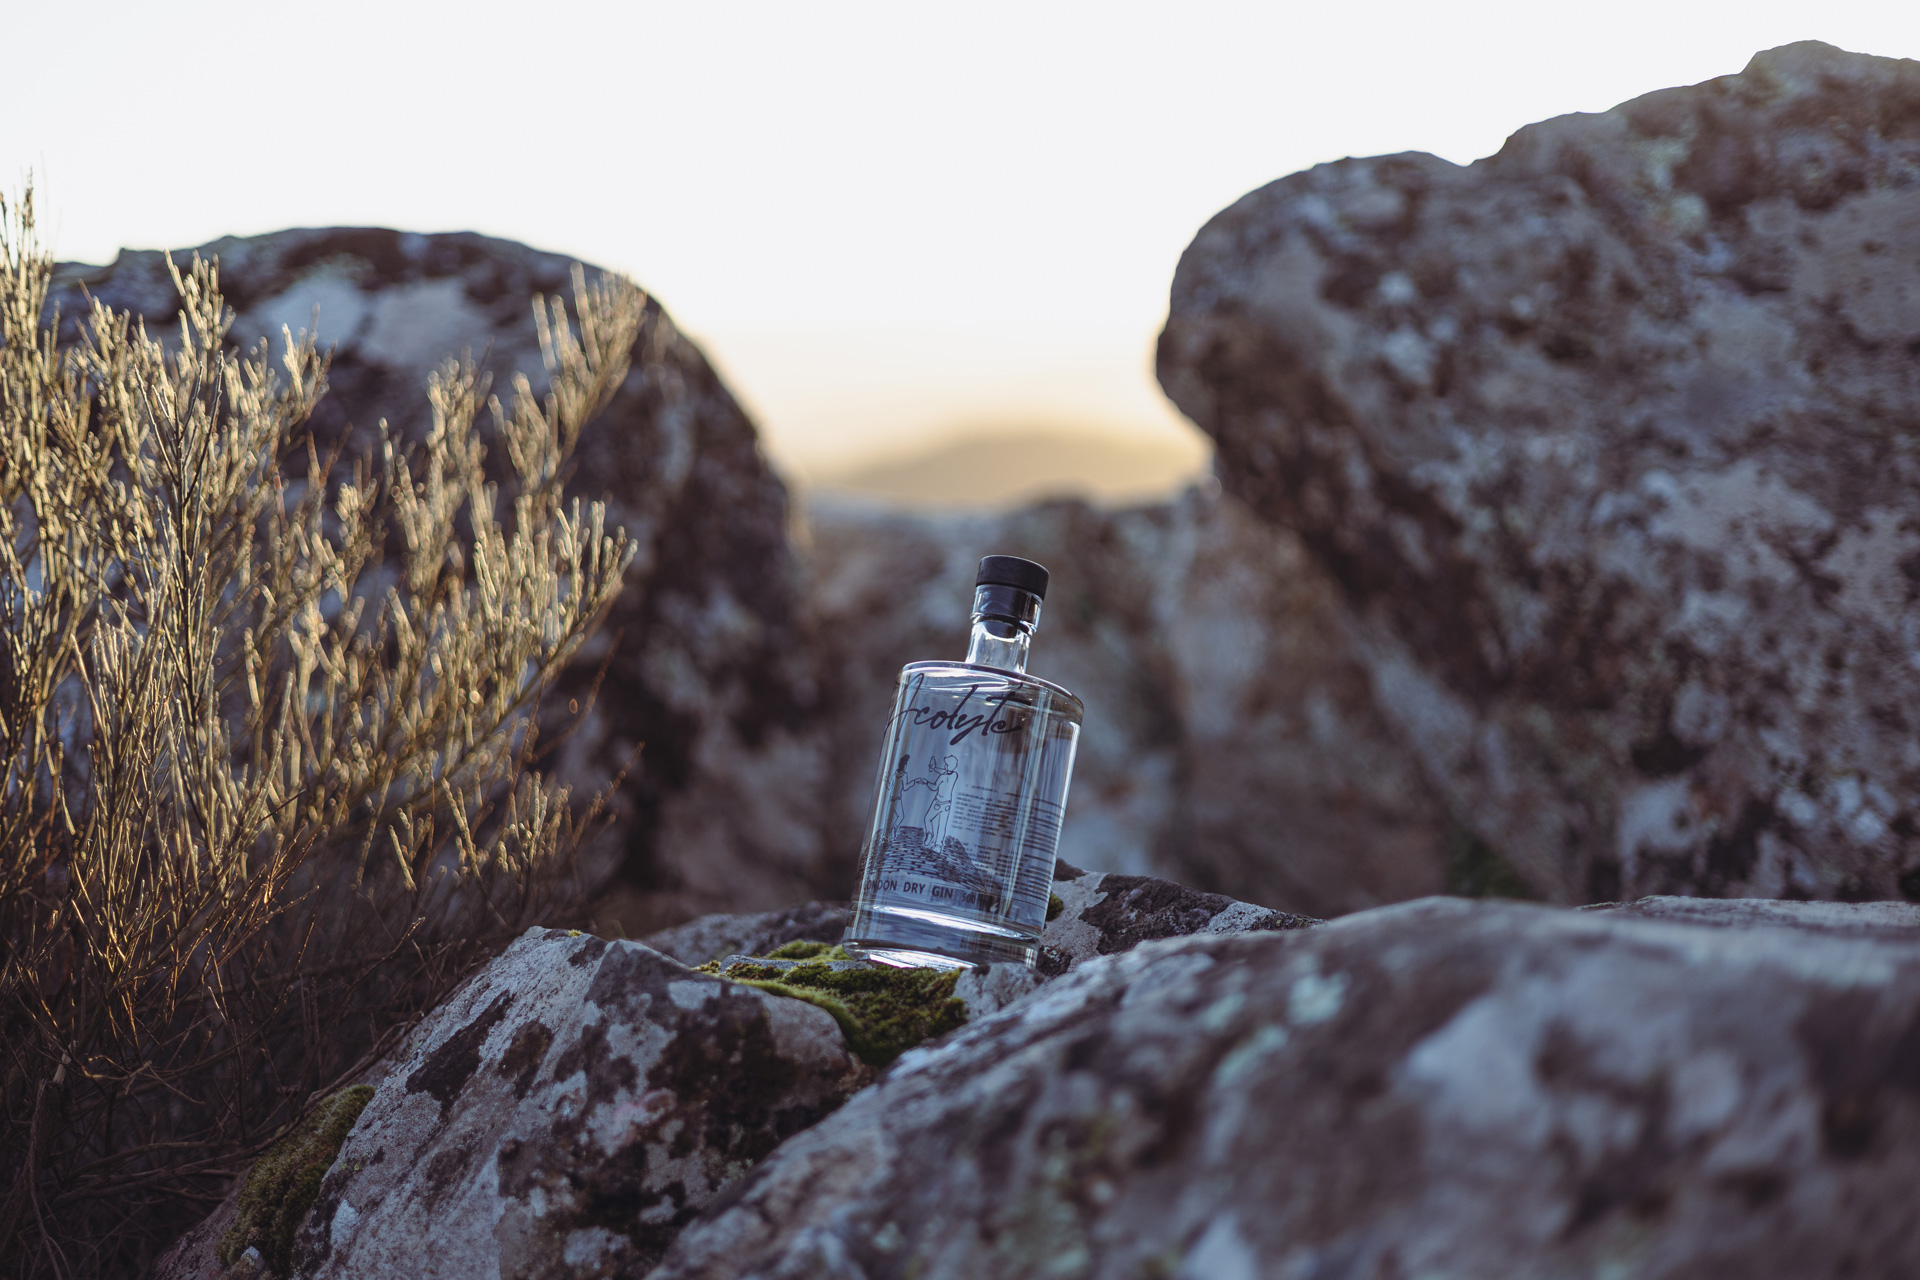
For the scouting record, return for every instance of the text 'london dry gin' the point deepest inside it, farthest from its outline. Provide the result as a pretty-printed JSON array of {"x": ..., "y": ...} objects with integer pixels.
[{"x": 959, "y": 854}]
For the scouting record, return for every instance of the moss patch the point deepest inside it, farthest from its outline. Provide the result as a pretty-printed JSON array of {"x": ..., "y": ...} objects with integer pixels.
[
  {"x": 1054, "y": 907},
  {"x": 284, "y": 1182},
  {"x": 883, "y": 1012},
  {"x": 802, "y": 949}
]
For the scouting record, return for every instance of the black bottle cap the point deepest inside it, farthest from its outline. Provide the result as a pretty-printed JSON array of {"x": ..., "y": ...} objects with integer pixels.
[{"x": 1012, "y": 571}]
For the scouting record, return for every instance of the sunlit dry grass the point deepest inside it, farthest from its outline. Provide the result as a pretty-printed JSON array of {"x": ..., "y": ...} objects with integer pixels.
[{"x": 265, "y": 719}]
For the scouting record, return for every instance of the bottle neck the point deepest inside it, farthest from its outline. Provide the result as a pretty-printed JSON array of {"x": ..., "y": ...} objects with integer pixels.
[
  {"x": 998, "y": 643},
  {"x": 1004, "y": 620}
]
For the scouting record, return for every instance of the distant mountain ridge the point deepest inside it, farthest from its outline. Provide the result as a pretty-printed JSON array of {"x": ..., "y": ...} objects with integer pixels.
[{"x": 994, "y": 469}]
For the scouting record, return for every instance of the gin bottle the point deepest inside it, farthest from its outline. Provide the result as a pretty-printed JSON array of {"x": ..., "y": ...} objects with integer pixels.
[{"x": 958, "y": 860}]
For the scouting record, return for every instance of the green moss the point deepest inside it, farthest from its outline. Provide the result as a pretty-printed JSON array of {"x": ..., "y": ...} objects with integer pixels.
[
  {"x": 801, "y": 949},
  {"x": 882, "y": 1011},
  {"x": 1476, "y": 870},
  {"x": 1054, "y": 907},
  {"x": 284, "y": 1182}
]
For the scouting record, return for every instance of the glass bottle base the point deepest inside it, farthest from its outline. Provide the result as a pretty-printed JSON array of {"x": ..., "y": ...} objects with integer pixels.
[{"x": 917, "y": 939}]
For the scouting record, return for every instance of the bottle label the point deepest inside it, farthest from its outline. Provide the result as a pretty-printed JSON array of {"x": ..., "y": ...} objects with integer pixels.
[
  {"x": 969, "y": 813},
  {"x": 958, "y": 846}
]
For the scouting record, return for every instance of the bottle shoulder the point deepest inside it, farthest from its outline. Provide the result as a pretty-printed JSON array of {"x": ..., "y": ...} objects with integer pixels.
[{"x": 960, "y": 672}]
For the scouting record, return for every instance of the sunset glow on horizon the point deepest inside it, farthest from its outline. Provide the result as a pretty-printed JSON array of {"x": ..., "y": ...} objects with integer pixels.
[{"x": 886, "y": 224}]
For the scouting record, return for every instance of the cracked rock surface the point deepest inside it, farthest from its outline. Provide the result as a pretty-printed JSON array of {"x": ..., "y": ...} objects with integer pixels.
[
  {"x": 565, "y": 1114},
  {"x": 1440, "y": 1088},
  {"x": 1608, "y": 441}
]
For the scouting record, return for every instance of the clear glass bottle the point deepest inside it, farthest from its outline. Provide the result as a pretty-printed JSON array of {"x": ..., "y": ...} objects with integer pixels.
[{"x": 959, "y": 854}]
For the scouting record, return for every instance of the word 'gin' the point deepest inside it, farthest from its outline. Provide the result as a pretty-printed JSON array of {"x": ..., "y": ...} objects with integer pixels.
[{"x": 959, "y": 855}]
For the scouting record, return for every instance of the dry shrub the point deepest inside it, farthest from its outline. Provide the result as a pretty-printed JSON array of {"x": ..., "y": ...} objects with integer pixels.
[{"x": 265, "y": 723}]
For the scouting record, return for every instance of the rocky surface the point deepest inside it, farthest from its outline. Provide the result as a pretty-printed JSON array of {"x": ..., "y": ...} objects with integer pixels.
[
  {"x": 1438, "y": 1088},
  {"x": 616, "y": 1090},
  {"x": 1609, "y": 442},
  {"x": 1103, "y": 913},
  {"x": 1231, "y": 742},
  {"x": 1895, "y": 921},
  {"x": 1099, "y": 913},
  {"x": 564, "y": 1114},
  {"x": 712, "y": 937},
  {"x": 705, "y": 664},
  {"x": 1665, "y": 1088}
]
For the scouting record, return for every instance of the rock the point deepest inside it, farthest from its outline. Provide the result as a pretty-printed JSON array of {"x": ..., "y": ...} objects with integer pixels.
[
  {"x": 1103, "y": 914},
  {"x": 1438, "y": 1088},
  {"x": 705, "y": 665},
  {"x": 564, "y": 1114},
  {"x": 1606, "y": 441},
  {"x": 1895, "y": 921},
  {"x": 1099, "y": 913},
  {"x": 991, "y": 988},
  {"x": 713, "y": 936},
  {"x": 1231, "y": 740}
]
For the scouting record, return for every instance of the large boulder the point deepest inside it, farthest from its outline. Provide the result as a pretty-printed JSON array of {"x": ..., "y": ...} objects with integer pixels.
[
  {"x": 1231, "y": 742},
  {"x": 705, "y": 667},
  {"x": 1438, "y": 1088},
  {"x": 563, "y": 1115},
  {"x": 1608, "y": 441},
  {"x": 586, "y": 1098}
]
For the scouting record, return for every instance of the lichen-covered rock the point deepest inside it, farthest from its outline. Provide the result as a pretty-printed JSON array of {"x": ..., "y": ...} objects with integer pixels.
[
  {"x": 1103, "y": 914},
  {"x": 712, "y": 937},
  {"x": 1231, "y": 742},
  {"x": 565, "y": 1114},
  {"x": 1895, "y": 921},
  {"x": 706, "y": 674},
  {"x": 1608, "y": 441},
  {"x": 1439, "y": 1088},
  {"x": 993, "y": 987}
]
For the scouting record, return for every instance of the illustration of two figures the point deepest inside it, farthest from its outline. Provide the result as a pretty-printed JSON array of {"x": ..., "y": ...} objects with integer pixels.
[
  {"x": 925, "y": 848},
  {"x": 942, "y": 772}
]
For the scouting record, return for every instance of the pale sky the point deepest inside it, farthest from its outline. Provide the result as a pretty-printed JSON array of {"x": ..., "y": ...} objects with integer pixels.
[{"x": 885, "y": 222}]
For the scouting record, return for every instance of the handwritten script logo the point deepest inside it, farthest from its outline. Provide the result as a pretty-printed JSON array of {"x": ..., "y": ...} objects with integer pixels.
[{"x": 993, "y": 719}]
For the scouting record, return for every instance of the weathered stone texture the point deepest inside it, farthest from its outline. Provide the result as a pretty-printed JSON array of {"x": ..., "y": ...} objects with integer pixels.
[
  {"x": 1894, "y": 921},
  {"x": 1612, "y": 442},
  {"x": 706, "y": 672},
  {"x": 1437, "y": 1088},
  {"x": 1231, "y": 741},
  {"x": 566, "y": 1113},
  {"x": 1103, "y": 914},
  {"x": 712, "y": 937}
]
